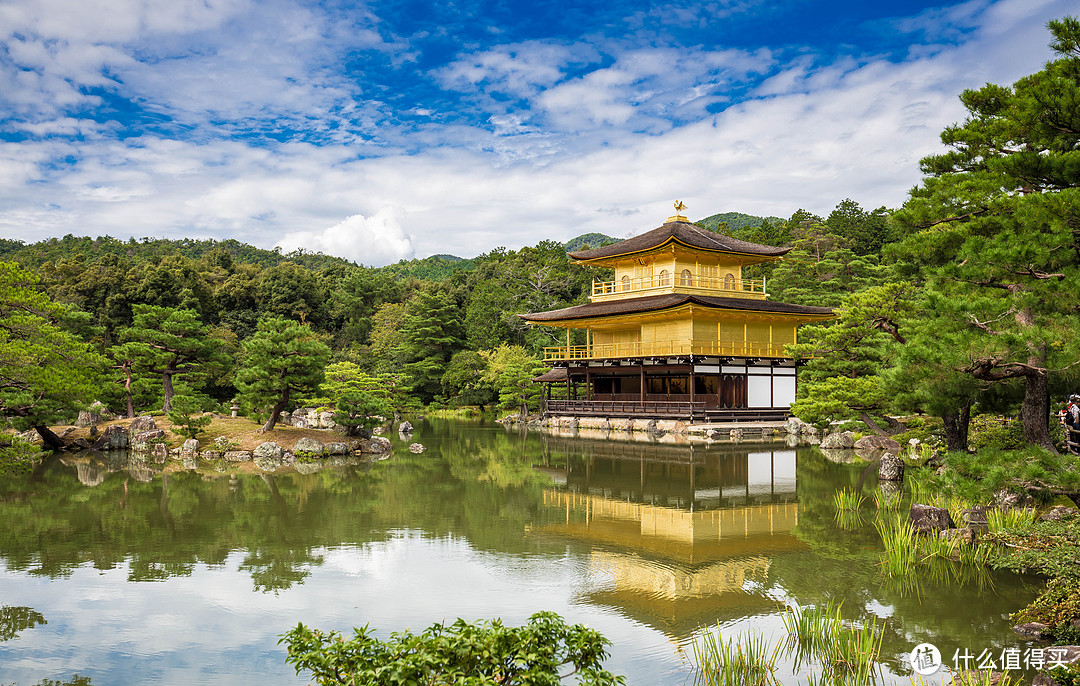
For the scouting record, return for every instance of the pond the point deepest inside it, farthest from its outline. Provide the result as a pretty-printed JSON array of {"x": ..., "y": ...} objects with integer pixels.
[{"x": 126, "y": 572}]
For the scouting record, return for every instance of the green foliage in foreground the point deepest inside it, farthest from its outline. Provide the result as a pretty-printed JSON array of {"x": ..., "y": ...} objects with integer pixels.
[
  {"x": 542, "y": 653},
  {"x": 975, "y": 478}
]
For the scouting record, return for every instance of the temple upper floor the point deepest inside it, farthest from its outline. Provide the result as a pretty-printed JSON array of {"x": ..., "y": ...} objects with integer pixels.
[{"x": 678, "y": 257}]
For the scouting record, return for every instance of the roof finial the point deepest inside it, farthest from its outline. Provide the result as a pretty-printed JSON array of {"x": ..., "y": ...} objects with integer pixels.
[{"x": 679, "y": 207}]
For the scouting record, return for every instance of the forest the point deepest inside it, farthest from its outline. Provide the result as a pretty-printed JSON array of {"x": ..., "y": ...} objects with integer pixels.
[{"x": 956, "y": 304}]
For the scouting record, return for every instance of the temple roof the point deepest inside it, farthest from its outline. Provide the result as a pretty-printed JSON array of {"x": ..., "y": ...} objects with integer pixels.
[
  {"x": 681, "y": 232},
  {"x": 653, "y": 303}
]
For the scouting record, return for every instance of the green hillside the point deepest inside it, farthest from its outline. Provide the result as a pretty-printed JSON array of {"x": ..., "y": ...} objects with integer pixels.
[
  {"x": 593, "y": 240},
  {"x": 736, "y": 221}
]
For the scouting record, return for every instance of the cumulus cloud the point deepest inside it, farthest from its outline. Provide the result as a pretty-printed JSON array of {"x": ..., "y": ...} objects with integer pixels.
[{"x": 376, "y": 240}]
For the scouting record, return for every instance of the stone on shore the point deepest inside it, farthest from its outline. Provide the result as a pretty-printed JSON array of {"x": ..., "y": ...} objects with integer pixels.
[{"x": 928, "y": 519}]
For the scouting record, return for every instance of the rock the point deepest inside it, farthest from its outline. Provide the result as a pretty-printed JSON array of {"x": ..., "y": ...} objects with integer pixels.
[
  {"x": 1005, "y": 499},
  {"x": 673, "y": 426},
  {"x": 285, "y": 417},
  {"x": 308, "y": 446},
  {"x": 87, "y": 418},
  {"x": 337, "y": 448},
  {"x": 714, "y": 434},
  {"x": 31, "y": 436},
  {"x": 212, "y": 454},
  {"x": 416, "y": 448},
  {"x": 651, "y": 426},
  {"x": 378, "y": 431},
  {"x": 927, "y": 519},
  {"x": 66, "y": 432},
  {"x": 1058, "y": 513},
  {"x": 767, "y": 432},
  {"x": 269, "y": 449},
  {"x": 621, "y": 424},
  {"x": 80, "y": 444},
  {"x": 237, "y": 456},
  {"x": 140, "y": 424},
  {"x": 839, "y": 441},
  {"x": 89, "y": 474},
  {"x": 878, "y": 443},
  {"x": 190, "y": 447},
  {"x": 326, "y": 420},
  {"x": 735, "y": 434},
  {"x": 1036, "y": 630},
  {"x": 301, "y": 422},
  {"x": 268, "y": 462},
  {"x": 961, "y": 535},
  {"x": 140, "y": 442},
  {"x": 891, "y": 468},
  {"x": 160, "y": 451},
  {"x": 405, "y": 427},
  {"x": 376, "y": 445},
  {"x": 976, "y": 518}
]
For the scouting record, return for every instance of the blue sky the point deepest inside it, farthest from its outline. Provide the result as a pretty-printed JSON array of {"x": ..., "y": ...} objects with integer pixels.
[{"x": 388, "y": 130}]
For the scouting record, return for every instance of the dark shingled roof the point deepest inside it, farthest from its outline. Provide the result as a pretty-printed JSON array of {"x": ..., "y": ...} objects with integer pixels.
[
  {"x": 684, "y": 232},
  {"x": 653, "y": 303},
  {"x": 556, "y": 374}
]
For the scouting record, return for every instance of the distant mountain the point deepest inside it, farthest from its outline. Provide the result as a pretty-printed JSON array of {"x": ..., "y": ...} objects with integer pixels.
[
  {"x": 434, "y": 268},
  {"x": 736, "y": 221},
  {"x": 593, "y": 240}
]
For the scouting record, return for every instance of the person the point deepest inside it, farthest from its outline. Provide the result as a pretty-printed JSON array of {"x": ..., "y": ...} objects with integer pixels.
[{"x": 1072, "y": 412}]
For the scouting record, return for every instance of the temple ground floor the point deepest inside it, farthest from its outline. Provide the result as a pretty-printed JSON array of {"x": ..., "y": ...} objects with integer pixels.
[{"x": 695, "y": 388}]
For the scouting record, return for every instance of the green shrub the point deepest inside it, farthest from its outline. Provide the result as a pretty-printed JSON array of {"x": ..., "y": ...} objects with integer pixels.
[
  {"x": 479, "y": 653},
  {"x": 987, "y": 431}
]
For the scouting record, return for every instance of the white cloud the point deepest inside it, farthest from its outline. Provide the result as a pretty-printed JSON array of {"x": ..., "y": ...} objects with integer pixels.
[{"x": 375, "y": 240}]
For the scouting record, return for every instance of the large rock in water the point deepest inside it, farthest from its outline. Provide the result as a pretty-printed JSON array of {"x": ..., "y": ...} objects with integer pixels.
[
  {"x": 891, "y": 468},
  {"x": 308, "y": 446},
  {"x": 376, "y": 445},
  {"x": 268, "y": 449},
  {"x": 878, "y": 443},
  {"x": 838, "y": 441},
  {"x": 928, "y": 519}
]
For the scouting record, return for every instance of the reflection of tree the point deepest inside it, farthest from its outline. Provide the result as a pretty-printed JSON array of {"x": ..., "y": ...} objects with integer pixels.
[
  {"x": 277, "y": 568},
  {"x": 476, "y": 484},
  {"x": 74, "y": 681},
  {"x": 14, "y": 619}
]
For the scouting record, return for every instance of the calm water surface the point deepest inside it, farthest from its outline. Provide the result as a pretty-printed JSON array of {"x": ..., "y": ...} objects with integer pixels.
[{"x": 128, "y": 573}]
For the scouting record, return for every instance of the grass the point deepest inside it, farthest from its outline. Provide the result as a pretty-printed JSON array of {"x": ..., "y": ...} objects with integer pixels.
[
  {"x": 848, "y": 500},
  {"x": 847, "y": 652},
  {"x": 888, "y": 501},
  {"x": 1013, "y": 518},
  {"x": 748, "y": 661},
  {"x": 901, "y": 548}
]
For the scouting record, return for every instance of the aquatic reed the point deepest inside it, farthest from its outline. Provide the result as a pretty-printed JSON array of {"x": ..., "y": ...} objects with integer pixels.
[
  {"x": 888, "y": 501},
  {"x": 848, "y": 500},
  {"x": 1012, "y": 518},
  {"x": 747, "y": 661},
  {"x": 847, "y": 651},
  {"x": 901, "y": 548}
]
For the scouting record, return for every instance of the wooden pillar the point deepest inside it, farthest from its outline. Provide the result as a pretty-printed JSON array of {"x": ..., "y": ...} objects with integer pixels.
[
  {"x": 642, "y": 368},
  {"x": 691, "y": 390},
  {"x": 588, "y": 384}
]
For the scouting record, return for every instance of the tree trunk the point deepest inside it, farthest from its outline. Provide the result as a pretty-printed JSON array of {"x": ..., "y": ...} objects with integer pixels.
[
  {"x": 1035, "y": 410},
  {"x": 166, "y": 383},
  {"x": 127, "y": 393},
  {"x": 274, "y": 413},
  {"x": 51, "y": 440},
  {"x": 956, "y": 428}
]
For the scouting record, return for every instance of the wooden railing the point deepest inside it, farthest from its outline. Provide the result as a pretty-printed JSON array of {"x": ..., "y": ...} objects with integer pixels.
[
  {"x": 663, "y": 408},
  {"x": 665, "y": 349},
  {"x": 726, "y": 286}
]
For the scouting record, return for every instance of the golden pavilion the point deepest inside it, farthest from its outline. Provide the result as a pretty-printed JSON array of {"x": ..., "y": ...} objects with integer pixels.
[{"x": 678, "y": 333}]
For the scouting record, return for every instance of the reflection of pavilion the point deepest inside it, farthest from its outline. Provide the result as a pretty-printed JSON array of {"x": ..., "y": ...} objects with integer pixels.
[{"x": 681, "y": 537}]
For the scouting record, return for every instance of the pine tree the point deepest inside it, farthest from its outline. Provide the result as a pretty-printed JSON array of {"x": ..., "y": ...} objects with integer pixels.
[
  {"x": 170, "y": 343},
  {"x": 995, "y": 230},
  {"x": 430, "y": 335},
  {"x": 46, "y": 372},
  {"x": 282, "y": 359}
]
